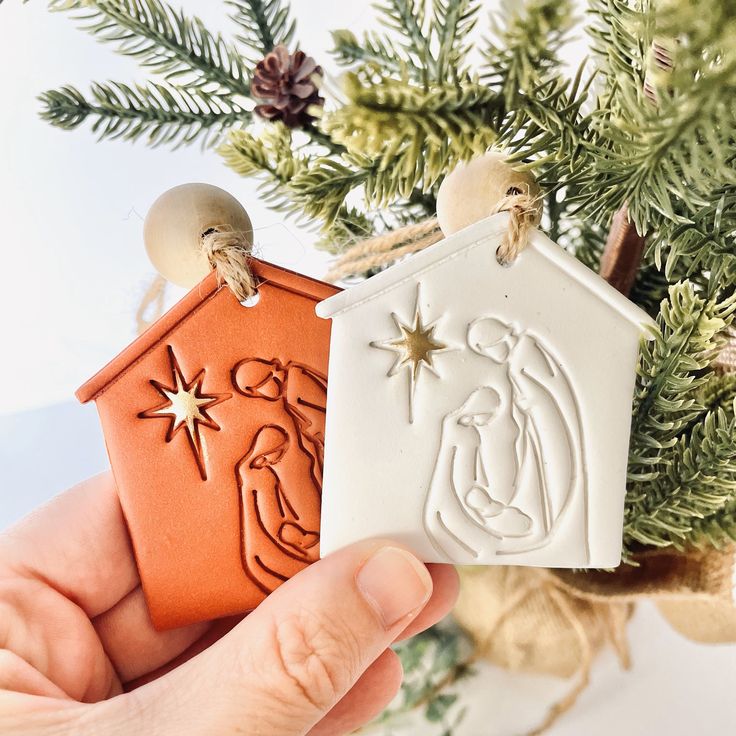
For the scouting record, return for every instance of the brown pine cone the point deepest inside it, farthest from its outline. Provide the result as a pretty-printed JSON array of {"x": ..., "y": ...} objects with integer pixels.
[{"x": 285, "y": 83}]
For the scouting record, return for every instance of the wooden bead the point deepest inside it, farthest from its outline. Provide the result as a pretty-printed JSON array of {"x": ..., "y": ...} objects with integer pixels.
[
  {"x": 470, "y": 192},
  {"x": 174, "y": 226}
]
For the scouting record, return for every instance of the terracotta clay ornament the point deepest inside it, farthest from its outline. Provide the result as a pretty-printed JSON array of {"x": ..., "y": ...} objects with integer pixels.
[
  {"x": 485, "y": 435},
  {"x": 214, "y": 424}
]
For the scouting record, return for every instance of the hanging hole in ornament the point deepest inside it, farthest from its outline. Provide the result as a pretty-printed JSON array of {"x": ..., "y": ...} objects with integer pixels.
[
  {"x": 501, "y": 262},
  {"x": 252, "y": 300}
]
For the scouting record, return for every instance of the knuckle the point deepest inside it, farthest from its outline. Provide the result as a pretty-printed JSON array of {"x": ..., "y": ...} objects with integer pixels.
[
  {"x": 8, "y": 663},
  {"x": 316, "y": 659}
]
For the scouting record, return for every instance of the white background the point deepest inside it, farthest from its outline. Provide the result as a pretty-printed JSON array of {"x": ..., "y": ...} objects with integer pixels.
[{"x": 74, "y": 269}]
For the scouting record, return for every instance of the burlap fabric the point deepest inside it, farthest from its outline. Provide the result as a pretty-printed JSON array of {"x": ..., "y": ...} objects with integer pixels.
[{"x": 553, "y": 622}]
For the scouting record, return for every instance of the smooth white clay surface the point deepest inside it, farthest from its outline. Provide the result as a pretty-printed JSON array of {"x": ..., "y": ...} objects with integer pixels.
[
  {"x": 174, "y": 226},
  {"x": 470, "y": 192},
  {"x": 480, "y": 414}
]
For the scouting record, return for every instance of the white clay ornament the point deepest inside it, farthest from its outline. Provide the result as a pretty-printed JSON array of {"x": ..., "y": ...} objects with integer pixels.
[{"x": 480, "y": 413}]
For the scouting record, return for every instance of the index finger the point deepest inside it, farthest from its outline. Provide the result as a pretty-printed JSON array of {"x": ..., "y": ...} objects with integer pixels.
[{"x": 77, "y": 543}]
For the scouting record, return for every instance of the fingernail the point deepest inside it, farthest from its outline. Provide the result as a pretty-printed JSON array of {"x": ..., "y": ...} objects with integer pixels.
[{"x": 394, "y": 583}]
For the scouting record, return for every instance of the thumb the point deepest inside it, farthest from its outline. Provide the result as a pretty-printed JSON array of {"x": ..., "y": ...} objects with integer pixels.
[{"x": 289, "y": 662}]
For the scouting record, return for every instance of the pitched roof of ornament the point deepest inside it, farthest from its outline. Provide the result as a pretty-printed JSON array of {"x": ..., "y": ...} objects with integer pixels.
[
  {"x": 490, "y": 229},
  {"x": 197, "y": 298}
]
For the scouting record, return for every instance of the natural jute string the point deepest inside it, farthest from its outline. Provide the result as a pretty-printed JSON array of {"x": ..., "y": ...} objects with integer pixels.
[
  {"x": 524, "y": 210},
  {"x": 228, "y": 252},
  {"x": 153, "y": 299},
  {"x": 384, "y": 249},
  {"x": 500, "y": 611}
]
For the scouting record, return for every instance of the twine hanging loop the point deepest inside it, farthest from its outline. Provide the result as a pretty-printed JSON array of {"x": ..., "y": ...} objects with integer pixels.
[
  {"x": 525, "y": 213},
  {"x": 228, "y": 251}
]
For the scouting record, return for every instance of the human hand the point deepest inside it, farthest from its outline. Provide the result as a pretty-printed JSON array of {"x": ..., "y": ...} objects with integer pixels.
[{"x": 79, "y": 655}]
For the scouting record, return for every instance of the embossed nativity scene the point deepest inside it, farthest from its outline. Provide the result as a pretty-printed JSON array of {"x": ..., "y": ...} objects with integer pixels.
[
  {"x": 463, "y": 413},
  {"x": 466, "y": 415},
  {"x": 214, "y": 425},
  {"x": 215, "y": 431}
]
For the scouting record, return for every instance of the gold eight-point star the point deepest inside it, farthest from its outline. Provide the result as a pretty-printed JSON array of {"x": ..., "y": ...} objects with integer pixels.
[
  {"x": 415, "y": 348},
  {"x": 185, "y": 406}
]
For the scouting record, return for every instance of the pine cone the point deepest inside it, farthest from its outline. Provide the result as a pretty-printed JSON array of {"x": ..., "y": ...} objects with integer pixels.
[{"x": 284, "y": 82}]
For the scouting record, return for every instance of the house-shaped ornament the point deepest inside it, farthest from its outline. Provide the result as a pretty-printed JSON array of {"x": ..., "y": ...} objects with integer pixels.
[
  {"x": 214, "y": 424},
  {"x": 480, "y": 413}
]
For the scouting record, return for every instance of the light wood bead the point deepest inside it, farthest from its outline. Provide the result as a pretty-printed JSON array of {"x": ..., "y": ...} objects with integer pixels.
[
  {"x": 470, "y": 192},
  {"x": 173, "y": 229}
]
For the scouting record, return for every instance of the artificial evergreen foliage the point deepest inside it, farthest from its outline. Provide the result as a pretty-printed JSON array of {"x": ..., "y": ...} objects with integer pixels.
[
  {"x": 264, "y": 25},
  {"x": 648, "y": 122},
  {"x": 163, "y": 113}
]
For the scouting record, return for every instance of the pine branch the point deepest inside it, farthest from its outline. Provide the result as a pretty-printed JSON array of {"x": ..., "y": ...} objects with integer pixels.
[
  {"x": 264, "y": 23},
  {"x": 414, "y": 135},
  {"x": 719, "y": 392},
  {"x": 583, "y": 238},
  {"x": 297, "y": 185},
  {"x": 425, "y": 50},
  {"x": 621, "y": 35},
  {"x": 650, "y": 288},
  {"x": 698, "y": 481},
  {"x": 670, "y": 372},
  {"x": 547, "y": 125},
  {"x": 453, "y": 21},
  {"x": 161, "y": 113},
  {"x": 349, "y": 227},
  {"x": 374, "y": 52},
  {"x": 673, "y": 157},
  {"x": 703, "y": 242},
  {"x": 716, "y": 530},
  {"x": 544, "y": 120},
  {"x": 164, "y": 40},
  {"x": 406, "y": 18},
  {"x": 652, "y": 283},
  {"x": 323, "y": 186},
  {"x": 670, "y": 157},
  {"x": 543, "y": 111},
  {"x": 523, "y": 52},
  {"x": 270, "y": 158}
]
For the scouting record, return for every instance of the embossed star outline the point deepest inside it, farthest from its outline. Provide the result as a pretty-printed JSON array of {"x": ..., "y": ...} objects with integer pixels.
[
  {"x": 185, "y": 406},
  {"x": 415, "y": 348}
]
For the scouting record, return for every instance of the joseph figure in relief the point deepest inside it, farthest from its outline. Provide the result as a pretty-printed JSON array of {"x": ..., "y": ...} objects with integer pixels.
[{"x": 511, "y": 457}]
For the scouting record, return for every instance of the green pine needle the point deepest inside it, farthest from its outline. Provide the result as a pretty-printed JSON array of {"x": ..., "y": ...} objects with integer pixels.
[
  {"x": 524, "y": 49},
  {"x": 415, "y": 135},
  {"x": 374, "y": 53},
  {"x": 673, "y": 430},
  {"x": 157, "y": 113},
  {"x": 264, "y": 24},
  {"x": 697, "y": 482},
  {"x": 716, "y": 530},
  {"x": 269, "y": 157},
  {"x": 164, "y": 40}
]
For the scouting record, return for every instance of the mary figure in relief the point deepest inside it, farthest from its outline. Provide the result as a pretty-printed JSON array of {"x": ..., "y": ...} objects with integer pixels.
[{"x": 511, "y": 459}]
